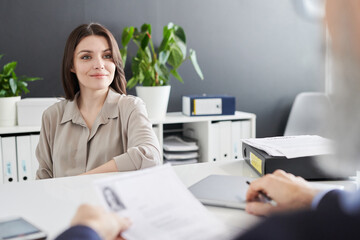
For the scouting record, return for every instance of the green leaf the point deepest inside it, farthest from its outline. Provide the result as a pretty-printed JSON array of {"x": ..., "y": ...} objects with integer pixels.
[
  {"x": 1, "y": 55},
  {"x": 9, "y": 68},
  {"x": 162, "y": 70},
  {"x": 170, "y": 25},
  {"x": 176, "y": 57},
  {"x": 164, "y": 56},
  {"x": 22, "y": 86},
  {"x": 166, "y": 39},
  {"x": 13, "y": 85},
  {"x": 176, "y": 75},
  {"x": 195, "y": 63},
  {"x": 143, "y": 65},
  {"x": 137, "y": 35},
  {"x": 126, "y": 36},
  {"x": 163, "y": 81},
  {"x": 148, "y": 81},
  {"x": 182, "y": 47},
  {"x": 30, "y": 79},
  {"x": 2, "y": 93},
  {"x": 148, "y": 55},
  {"x": 145, "y": 41},
  {"x": 135, "y": 66},
  {"x": 13, "y": 74},
  {"x": 146, "y": 28},
  {"x": 131, "y": 83},
  {"x": 179, "y": 32},
  {"x": 123, "y": 53}
]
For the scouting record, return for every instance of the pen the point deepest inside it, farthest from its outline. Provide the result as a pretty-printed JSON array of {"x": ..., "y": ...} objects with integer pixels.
[{"x": 264, "y": 198}]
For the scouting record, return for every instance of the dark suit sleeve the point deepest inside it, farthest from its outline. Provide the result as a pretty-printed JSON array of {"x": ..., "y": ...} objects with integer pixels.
[
  {"x": 328, "y": 221},
  {"x": 79, "y": 233}
]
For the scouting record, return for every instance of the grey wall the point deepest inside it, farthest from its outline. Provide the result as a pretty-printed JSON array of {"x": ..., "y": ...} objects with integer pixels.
[{"x": 263, "y": 52}]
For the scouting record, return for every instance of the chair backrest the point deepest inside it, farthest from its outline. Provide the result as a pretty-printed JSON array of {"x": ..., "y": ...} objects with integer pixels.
[{"x": 309, "y": 115}]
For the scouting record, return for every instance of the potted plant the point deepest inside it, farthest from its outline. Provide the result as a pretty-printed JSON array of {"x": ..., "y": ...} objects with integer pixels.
[
  {"x": 11, "y": 87},
  {"x": 154, "y": 67}
]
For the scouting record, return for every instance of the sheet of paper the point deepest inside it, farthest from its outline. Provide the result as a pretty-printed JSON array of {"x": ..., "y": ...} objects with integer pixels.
[
  {"x": 293, "y": 146},
  {"x": 159, "y": 206},
  {"x": 325, "y": 186}
]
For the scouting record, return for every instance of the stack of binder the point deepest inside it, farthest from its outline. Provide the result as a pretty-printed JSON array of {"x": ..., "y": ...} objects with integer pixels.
[
  {"x": 178, "y": 150},
  {"x": 299, "y": 155},
  {"x": 18, "y": 162}
]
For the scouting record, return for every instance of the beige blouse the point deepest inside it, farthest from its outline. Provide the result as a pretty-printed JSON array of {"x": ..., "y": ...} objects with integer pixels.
[{"x": 121, "y": 132}]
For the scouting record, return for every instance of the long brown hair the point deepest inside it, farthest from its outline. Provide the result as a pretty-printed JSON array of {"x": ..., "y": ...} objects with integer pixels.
[{"x": 69, "y": 79}]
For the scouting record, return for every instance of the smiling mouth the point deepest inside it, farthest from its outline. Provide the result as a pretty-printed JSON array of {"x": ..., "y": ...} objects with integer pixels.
[{"x": 98, "y": 75}]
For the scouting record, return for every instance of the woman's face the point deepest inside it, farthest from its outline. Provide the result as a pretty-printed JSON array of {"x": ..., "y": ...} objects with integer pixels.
[{"x": 93, "y": 64}]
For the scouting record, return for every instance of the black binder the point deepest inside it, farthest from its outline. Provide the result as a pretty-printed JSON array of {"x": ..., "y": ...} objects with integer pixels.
[{"x": 306, "y": 167}]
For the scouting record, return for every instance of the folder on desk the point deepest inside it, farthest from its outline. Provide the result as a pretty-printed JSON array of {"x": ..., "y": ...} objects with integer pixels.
[
  {"x": 23, "y": 148},
  {"x": 9, "y": 159},
  {"x": 304, "y": 166}
]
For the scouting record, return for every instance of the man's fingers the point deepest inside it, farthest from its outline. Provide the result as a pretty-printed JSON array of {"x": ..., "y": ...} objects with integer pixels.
[
  {"x": 125, "y": 223},
  {"x": 259, "y": 208},
  {"x": 282, "y": 174},
  {"x": 263, "y": 184}
]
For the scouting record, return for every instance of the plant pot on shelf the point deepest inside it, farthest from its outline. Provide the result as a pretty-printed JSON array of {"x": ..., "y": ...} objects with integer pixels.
[
  {"x": 156, "y": 100},
  {"x": 8, "y": 117}
]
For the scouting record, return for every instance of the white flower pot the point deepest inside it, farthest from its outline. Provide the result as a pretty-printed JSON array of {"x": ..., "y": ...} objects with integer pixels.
[
  {"x": 156, "y": 100},
  {"x": 8, "y": 116}
]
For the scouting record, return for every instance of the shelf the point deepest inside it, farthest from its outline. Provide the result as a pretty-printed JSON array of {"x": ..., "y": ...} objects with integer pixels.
[
  {"x": 178, "y": 117},
  {"x": 19, "y": 129}
]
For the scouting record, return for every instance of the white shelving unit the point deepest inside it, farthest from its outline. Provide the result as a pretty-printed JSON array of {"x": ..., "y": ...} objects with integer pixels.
[{"x": 200, "y": 127}]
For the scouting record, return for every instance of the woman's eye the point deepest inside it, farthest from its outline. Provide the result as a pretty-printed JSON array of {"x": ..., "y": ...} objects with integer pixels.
[
  {"x": 85, "y": 57},
  {"x": 108, "y": 56}
]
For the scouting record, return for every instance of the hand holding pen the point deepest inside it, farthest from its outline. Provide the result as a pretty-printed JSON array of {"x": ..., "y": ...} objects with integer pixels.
[
  {"x": 262, "y": 197},
  {"x": 284, "y": 189}
]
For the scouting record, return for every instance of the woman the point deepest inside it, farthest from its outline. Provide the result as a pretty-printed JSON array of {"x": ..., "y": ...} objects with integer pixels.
[{"x": 97, "y": 128}]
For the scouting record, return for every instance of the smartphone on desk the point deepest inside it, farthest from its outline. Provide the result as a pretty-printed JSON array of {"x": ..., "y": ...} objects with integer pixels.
[{"x": 19, "y": 228}]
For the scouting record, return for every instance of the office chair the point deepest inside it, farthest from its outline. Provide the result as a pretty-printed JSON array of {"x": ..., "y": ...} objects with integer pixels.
[{"x": 309, "y": 115}]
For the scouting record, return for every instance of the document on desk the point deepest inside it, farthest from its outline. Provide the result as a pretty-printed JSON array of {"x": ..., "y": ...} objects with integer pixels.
[
  {"x": 293, "y": 146},
  {"x": 159, "y": 206}
]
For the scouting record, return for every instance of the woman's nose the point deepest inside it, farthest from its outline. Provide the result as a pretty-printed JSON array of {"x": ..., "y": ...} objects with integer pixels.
[{"x": 99, "y": 63}]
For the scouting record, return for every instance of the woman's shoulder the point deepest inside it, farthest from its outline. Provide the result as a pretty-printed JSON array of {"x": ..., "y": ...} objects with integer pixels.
[
  {"x": 128, "y": 103},
  {"x": 130, "y": 100},
  {"x": 56, "y": 110}
]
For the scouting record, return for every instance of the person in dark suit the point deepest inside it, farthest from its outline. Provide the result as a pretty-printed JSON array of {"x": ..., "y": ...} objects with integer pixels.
[
  {"x": 94, "y": 223},
  {"x": 300, "y": 211}
]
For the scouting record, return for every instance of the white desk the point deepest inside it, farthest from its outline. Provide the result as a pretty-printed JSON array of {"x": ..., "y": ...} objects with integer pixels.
[{"x": 51, "y": 203}]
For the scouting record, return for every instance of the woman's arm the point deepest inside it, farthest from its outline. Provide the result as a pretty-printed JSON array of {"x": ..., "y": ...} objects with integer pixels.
[
  {"x": 43, "y": 151},
  {"x": 141, "y": 145},
  {"x": 110, "y": 166},
  {"x": 143, "y": 148}
]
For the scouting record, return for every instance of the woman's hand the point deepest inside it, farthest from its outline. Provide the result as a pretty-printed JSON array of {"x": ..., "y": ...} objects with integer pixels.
[
  {"x": 289, "y": 193},
  {"x": 108, "y": 225}
]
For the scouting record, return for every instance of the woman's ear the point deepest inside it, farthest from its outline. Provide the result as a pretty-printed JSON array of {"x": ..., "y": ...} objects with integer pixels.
[{"x": 72, "y": 69}]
